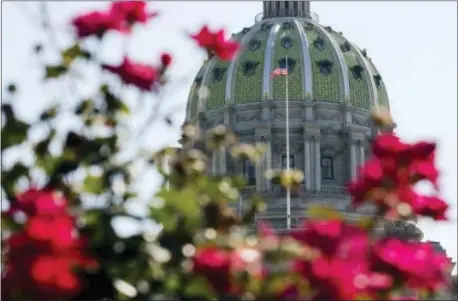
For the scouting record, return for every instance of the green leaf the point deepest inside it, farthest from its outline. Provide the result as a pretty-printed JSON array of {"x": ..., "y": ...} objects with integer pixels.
[
  {"x": 112, "y": 102},
  {"x": 70, "y": 54},
  {"x": 197, "y": 286},
  {"x": 14, "y": 132},
  {"x": 8, "y": 223},
  {"x": 94, "y": 184},
  {"x": 184, "y": 201},
  {"x": 85, "y": 107},
  {"x": 55, "y": 71},
  {"x": 10, "y": 177},
  {"x": 50, "y": 113}
]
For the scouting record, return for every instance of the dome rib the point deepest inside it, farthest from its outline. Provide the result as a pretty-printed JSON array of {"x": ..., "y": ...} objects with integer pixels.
[
  {"x": 291, "y": 50},
  {"x": 268, "y": 57},
  {"x": 308, "y": 73},
  {"x": 230, "y": 73},
  {"x": 202, "y": 100},
  {"x": 369, "y": 75},
  {"x": 192, "y": 106},
  {"x": 345, "y": 85}
]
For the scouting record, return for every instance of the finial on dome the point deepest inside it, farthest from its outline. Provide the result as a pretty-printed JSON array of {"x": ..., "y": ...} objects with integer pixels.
[{"x": 291, "y": 8}]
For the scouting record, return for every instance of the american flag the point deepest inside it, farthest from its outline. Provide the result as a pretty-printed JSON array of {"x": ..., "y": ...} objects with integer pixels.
[{"x": 279, "y": 71}]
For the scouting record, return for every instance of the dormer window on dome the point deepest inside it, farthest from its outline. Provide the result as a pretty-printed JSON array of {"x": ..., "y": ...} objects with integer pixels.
[
  {"x": 328, "y": 29},
  {"x": 319, "y": 43},
  {"x": 218, "y": 74},
  {"x": 266, "y": 27},
  {"x": 287, "y": 25},
  {"x": 346, "y": 47},
  {"x": 357, "y": 71},
  {"x": 378, "y": 81},
  {"x": 245, "y": 30},
  {"x": 249, "y": 68},
  {"x": 309, "y": 26},
  {"x": 325, "y": 67},
  {"x": 287, "y": 42},
  {"x": 291, "y": 64},
  {"x": 198, "y": 80},
  {"x": 364, "y": 52},
  {"x": 254, "y": 44}
]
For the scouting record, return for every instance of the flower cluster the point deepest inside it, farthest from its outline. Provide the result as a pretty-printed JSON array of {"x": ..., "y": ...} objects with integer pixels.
[
  {"x": 325, "y": 260},
  {"x": 388, "y": 179},
  {"x": 41, "y": 259},
  {"x": 215, "y": 43},
  {"x": 121, "y": 16}
]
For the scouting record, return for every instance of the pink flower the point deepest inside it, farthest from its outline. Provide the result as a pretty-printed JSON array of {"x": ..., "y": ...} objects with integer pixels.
[
  {"x": 144, "y": 77},
  {"x": 215, "y": 43}
]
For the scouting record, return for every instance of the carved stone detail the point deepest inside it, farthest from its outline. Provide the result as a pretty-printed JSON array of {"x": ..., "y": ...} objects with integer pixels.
[
  {"x": 211, "y": 123},
  {"x": 247, "y": 116},
  {"x": 296, "y": 144},
  {"x": 361, "y": 120},
  {"x": 328, "y": 115},
  {"x": 280, "y": 114}
]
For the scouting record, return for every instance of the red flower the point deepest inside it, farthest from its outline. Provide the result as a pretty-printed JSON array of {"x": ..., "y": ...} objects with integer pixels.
[
  {"x": 40, "y": 260},
  {"x": 387, "y": 179},
  {"x": 40, "y": 202},
  {"x": 214, "y": 265},
  {"x": 144, "y": 77},
  {"x": 341, "y": 279},
  {"x": 96, "y": 23},
  {"x": 334, "y": 238},
  {"x": 130, "y": 12},
  {"x": 431, "y": 206},
  {"x": 166, "y": 59},
  {"x": 58, "y": 232},
  {"x": 416, "y": 264},
  {"x": 215, "y": 43}
]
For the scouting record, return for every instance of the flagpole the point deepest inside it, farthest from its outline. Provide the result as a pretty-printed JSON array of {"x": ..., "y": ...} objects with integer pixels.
[{"x": 288, "y": 192}]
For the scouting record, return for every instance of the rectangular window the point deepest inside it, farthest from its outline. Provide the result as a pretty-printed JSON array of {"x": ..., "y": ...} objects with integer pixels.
[
  {"x": 287, "y": 13},
  {"x": 291, "y": 161},
  {"x": 327, "y": 168},
  {"x": 249, "y": 172},
  {"x": 295, "y": 7}
]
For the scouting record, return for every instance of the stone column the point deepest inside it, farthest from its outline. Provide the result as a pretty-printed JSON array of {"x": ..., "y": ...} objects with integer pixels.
[
  {"x": 361, "y": 153},
  {"x": 312, "y": 168},
  {"x": 263, "y": 135},
  {"x": 356, "y": 142},
  {"x": 353, "y": 159},
  {"x": 267, "y": 163},
  {"x": 307, "y": 163},
  {"x": 317, "y": 146},
  {"x": 222, "y": 161},
  {"x": 214, "y": 163}
]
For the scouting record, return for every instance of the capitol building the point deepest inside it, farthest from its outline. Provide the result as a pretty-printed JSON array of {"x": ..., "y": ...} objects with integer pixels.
[{"x": 333, "y": 84}]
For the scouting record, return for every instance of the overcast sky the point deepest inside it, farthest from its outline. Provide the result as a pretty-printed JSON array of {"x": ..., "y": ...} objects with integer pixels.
[{"x": 413, "y": 44}]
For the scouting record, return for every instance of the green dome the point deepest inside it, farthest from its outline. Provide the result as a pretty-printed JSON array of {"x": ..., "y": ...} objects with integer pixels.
[{"x": 323, "y": 67}]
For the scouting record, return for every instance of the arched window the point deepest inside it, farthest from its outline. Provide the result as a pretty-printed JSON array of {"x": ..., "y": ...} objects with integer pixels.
[
  {"x": 291, "y": 64},
  {"x": 357, "y": 71},
  {"x": 249, "y": 68},
  {"x": 291, "y": 161},
  {"x": 327, "y": 168},
  {"x": 249, "y": 172},
  {"x": 218, "y": 74}
]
